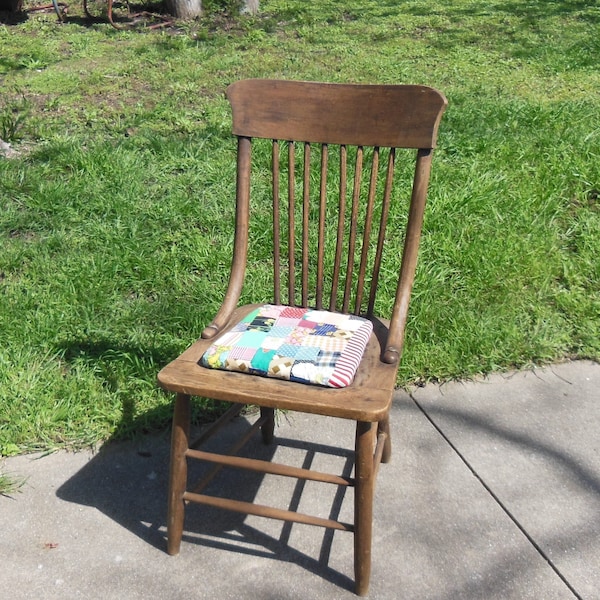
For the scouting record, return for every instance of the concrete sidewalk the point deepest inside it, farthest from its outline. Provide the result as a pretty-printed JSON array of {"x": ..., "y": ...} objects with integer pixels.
[{"x": 493, "y": 492}]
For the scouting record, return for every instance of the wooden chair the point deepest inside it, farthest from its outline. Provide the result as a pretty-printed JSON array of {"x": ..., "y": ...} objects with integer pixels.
[{"x": 359, "y": 125}]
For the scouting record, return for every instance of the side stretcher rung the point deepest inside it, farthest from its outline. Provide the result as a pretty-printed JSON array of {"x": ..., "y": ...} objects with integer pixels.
[{"x": 263, "y": 466}]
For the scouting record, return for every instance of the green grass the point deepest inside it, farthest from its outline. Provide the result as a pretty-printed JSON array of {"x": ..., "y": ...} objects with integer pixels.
[
  {"x": 9, "y": 484},
  {"x": 115, "y": 223}
]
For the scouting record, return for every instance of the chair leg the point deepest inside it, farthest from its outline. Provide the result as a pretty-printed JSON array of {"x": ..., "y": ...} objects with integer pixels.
[
  {"x": 178, "y": 472},
  {"x": 268, "y": 427},
  {"x": 363, "y": 504},
  {"x": 384, "y": 426}
]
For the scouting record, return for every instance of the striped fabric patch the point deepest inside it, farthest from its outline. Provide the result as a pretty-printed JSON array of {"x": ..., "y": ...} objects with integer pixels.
[{"x": 298, "y": 344}]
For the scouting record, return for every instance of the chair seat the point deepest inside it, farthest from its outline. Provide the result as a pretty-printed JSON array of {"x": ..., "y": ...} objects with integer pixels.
[{"x": 367, "y": 398}]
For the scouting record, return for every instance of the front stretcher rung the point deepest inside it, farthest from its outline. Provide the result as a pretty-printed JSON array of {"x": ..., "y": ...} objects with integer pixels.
[{"x": 266, "y": 511}]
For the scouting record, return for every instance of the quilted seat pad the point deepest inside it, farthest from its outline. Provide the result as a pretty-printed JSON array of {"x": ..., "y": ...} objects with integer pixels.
[{"x": 298, "y": 344}]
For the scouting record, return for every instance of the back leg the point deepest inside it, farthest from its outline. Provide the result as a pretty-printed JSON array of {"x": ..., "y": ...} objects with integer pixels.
[
  {"x": 384, "y": 427},
  {"x": 268, "y": 427}
]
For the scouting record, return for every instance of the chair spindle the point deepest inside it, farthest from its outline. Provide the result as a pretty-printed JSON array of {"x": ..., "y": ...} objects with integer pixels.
[
  {"x": 291, "y": 225},
  {"x": 305, "y": 223},
  {"x": 385, "y": 211},
  {"x": 276, "y": 225},
  {"x": 322, "y": 217},
  {"x": 367, "y": 232},
  {"x": 353, "y": 227},
  {"x": 340, "y": 230}
]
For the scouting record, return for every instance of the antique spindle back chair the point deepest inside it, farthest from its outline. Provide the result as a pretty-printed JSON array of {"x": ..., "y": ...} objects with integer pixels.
[{"x": 351, "y": 132}]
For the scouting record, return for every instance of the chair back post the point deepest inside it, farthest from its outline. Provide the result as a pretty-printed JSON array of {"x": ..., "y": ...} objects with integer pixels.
[
  {"x": 393, "y": 350},
  {"x": 240, "y": 245}
]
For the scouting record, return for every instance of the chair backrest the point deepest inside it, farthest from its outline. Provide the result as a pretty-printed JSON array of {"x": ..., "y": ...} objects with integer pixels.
[{"x": 329, "y": 238}]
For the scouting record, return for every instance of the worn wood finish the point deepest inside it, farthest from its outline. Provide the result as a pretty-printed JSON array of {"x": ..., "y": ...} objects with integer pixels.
[
  {"x": 394, "y": 116},
  {"x": 267, "y": 429},
  {"x": 384, "y": 427},
  {"x": 237, "y": 446},
  {"x": 385, "y": 211},
  {"x": 178, "y": 472},
  {"x": 305, "y": 224},
  {"x": 261, "y": 510},
  {"x": 334, "y": 237},
  {"x": 363, "y": 504},
  {"x": 217, "y": 425},
  {"x": 291, "y": 224},
  {"x": 322, "y": 217},
  {"x": 339, "y": 240},
  {"x": 409, "y": 257},
  {"x": 263, "y": 466},
  {"x": 353, "y": 227},
  {"x": 276, "y": 225},
  {"x": 240, "y": 248}
]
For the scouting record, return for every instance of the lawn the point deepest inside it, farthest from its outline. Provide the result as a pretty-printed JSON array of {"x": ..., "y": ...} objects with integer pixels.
[{"x": 115, "y": 220}]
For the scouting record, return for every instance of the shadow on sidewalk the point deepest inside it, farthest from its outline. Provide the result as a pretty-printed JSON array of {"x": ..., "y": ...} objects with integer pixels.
[{"x": 128, "y": 482}]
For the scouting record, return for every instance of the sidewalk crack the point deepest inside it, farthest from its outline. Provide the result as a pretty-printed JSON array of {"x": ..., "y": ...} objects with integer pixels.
[{"x": 498, "y": 501}]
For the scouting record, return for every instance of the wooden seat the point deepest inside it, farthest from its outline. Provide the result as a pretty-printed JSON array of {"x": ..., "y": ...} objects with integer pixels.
[{"x": 332, "y": 249}]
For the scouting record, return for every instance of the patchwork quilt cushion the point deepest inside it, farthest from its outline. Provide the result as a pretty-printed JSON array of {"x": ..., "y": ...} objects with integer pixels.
[{"x": 297, "y": 344}]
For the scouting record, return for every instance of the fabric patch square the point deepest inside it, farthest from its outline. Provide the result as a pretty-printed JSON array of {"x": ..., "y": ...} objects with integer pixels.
[
  {"x": 292, "y": 312},
  {"x": 297, "y": 336},
  {"x": 327, "y": 359},
  {"x": 342, "y": 333},
  {"x": 306, "y": 353},
  {"x": 252, "y": 339},
  {"x": 324, "y": 329},
  {"x": 250, "y": 316},
  {"x": 261, "y": 360},
  {"x": 272, "y": 343},
  {"x": 241, "y": 326},
  {"x": 279, "y": 331},
  {"x": 216, "y": 356},
  {"x": 324, "y": 316},
  {"x": 287, "y": 322},
  {"x": 243, "y": 366},
  {"x": 307, "y": 372},
  {"x": 297, "y": 344},
  {"x": 280, "y": 367},
  {"x": 230, "y": 339},
  {"x": 326, "y": 343},
  {"x": 289, "y": 350},
  {"x": 261, "y": 323},
  {"x": 241, "y": 353},
  {"x": 270, "y": 311}
]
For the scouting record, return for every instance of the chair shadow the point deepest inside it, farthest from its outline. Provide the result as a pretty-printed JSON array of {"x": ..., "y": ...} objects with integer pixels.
[{"x": 128, "y": 482}]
